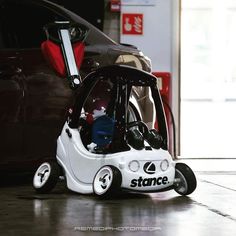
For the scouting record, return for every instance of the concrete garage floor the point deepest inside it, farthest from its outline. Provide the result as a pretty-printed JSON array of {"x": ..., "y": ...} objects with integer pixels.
[{"x": 210, "y": 210}]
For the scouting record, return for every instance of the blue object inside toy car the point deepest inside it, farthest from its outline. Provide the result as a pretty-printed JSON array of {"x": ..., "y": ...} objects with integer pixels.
[{"x": 102, "y": 131}]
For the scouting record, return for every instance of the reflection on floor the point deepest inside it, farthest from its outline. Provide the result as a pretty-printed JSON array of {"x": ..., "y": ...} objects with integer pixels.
[{"x": 210, "y": 210}]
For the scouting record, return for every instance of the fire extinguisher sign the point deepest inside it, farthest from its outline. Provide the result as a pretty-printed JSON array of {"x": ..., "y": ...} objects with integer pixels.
[{"x": 132, "y": 23}]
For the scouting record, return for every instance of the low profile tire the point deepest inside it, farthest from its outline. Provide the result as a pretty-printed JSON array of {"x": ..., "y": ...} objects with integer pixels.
[
  {"x": 186, "y": 181},
  {"x": 107, "y": 182},
  {"x": 46, "y": 177}
]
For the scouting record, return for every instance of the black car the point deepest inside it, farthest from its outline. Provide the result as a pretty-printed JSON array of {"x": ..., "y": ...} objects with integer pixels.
[{"x": 34, "y": 100}]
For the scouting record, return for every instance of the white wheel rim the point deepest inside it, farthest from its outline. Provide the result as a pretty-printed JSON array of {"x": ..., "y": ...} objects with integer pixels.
[
  {"x": 103, "y": 180},
  {"x": 181, "y": 186},
  {"x": 42, "y": 174}
]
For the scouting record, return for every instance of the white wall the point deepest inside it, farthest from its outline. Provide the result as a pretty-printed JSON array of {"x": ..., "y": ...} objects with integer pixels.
[
  {"x": 156, "y": 39},
  {"x": 160, "y": 40}
]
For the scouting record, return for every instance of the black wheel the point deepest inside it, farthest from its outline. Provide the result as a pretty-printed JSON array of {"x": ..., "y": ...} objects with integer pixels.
[
  {"x": 46, "y": 177},
  {"x": 107, "y": 181},
  {"x": 186, "y": 181}
]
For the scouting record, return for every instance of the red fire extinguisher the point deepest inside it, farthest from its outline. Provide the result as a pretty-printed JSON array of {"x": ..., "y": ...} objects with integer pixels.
[{"x": 164, "y": 84}]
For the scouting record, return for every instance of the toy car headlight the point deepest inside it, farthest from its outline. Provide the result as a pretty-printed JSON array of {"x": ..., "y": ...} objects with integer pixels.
[
  {"x": 164, "y": 165},
  {"x": 134, "y": 166}
]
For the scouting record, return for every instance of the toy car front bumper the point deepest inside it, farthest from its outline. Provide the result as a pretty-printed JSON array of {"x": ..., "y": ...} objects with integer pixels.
[{"x": 148, "y": 182}]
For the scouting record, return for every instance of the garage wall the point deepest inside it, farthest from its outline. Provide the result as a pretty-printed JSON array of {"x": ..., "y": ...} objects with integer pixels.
[
  {"x": 159, "y": 41},
  {"x": 111, "y": 26},
  {"x": 156, "y": 38}
]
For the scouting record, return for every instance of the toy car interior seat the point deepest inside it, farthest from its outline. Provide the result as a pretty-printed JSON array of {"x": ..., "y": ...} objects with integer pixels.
[{"x": 64, "y": 49}]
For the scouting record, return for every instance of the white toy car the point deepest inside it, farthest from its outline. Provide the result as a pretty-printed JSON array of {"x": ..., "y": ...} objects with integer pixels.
[{"x": 105, "y": 147}]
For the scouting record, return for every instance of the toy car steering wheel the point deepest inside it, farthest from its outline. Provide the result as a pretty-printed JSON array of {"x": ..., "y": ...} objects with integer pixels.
[{"x": 78, "y": 32}]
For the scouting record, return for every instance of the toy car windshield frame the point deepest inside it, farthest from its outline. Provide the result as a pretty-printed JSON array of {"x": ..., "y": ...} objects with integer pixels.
[{"x": 123, "y": 77}]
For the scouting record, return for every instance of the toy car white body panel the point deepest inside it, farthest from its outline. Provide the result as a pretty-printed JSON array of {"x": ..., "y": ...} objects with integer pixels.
[{"x": 141, "y": 170}]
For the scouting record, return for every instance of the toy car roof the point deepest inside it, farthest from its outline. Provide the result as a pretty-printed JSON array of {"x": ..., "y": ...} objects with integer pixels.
[{"x": 130, "y": 75}]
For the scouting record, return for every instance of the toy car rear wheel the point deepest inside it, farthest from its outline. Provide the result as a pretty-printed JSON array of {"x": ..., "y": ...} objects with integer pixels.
[
  {"x": 186, "y": 181},
  {"x": 46, "y": 177},
  {"x": 107, "y": 181}
]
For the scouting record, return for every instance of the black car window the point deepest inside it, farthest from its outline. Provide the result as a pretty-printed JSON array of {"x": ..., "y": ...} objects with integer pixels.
[{"x": 21, "y": 25}]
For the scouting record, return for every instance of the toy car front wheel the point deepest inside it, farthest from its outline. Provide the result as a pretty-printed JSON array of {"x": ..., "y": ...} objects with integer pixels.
[
  {"x": 107, "y": 181},
  {"x": 46, "y": 177},
  {"x": 185, "y": 180}
]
